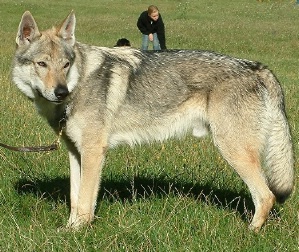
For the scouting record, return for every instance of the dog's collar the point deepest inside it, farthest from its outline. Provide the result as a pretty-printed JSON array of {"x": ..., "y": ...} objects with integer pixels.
[
  {"x": 64, "y": 117},
  {"x": 62, "y": 121}
]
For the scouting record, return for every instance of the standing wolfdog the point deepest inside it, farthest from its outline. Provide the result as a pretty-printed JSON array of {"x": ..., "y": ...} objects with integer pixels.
[{"x": 108, "y": 96}]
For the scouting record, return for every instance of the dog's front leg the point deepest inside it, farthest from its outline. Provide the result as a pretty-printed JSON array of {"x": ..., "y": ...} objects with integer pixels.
[
  {"x": 92, "y": 160},
  {"x": 75, "y": 177}
]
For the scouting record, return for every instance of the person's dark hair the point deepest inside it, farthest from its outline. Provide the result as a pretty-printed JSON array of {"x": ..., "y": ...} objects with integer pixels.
[{"x": 123, "y": 42}]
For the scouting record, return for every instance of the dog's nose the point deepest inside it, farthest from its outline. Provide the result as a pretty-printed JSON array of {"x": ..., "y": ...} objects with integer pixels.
[{"x": 61, "y": 92}]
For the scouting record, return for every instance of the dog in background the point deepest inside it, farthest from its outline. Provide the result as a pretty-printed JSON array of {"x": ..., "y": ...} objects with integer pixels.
[{"x": 109, "y": 96}]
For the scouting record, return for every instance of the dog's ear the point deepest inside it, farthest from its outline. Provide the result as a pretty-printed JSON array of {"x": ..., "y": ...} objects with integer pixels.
[
  {"x": 28, "y": 30},
  {"x": 67, "y": 29}
]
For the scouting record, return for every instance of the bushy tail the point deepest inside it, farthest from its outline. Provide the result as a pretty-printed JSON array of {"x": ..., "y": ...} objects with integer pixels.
[{"x": 279, "y": 158}]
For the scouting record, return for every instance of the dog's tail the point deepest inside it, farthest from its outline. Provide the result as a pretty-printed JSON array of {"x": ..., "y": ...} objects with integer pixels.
[{"x": 279, "y": 160}]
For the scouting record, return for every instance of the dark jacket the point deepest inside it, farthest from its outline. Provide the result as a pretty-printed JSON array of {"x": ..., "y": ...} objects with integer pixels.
[{"x": 146, "y": 25}]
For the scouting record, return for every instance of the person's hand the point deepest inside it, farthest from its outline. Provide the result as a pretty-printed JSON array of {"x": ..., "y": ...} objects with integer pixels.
[{"x": 151, "y": 37}]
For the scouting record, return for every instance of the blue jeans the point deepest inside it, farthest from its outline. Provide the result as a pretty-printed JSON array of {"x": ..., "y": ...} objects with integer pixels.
[{"x": 145, "y": 42}]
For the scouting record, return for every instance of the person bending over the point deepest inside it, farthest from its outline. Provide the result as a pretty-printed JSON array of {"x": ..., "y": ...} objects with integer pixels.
[{"x": 150, "y": 24}]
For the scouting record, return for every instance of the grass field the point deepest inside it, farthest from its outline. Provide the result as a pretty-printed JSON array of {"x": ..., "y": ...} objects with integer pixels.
[{"x": 176, "y": 196}]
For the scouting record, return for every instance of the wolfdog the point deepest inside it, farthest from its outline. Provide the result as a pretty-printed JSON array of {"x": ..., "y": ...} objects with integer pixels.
[{"x": 108, "y": 96}]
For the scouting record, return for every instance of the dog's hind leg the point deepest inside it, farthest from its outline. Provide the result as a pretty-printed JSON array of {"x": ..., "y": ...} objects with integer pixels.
[{"x": 244, "y": 156}]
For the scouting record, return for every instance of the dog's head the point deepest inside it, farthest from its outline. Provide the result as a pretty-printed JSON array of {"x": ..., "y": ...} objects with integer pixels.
[{"x": 44, "y": 61}]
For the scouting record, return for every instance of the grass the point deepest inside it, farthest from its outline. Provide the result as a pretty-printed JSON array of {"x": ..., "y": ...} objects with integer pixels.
[{"x": 176, "y": 196}]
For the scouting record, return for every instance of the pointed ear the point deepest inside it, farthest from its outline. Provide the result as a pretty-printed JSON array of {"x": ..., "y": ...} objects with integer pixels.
[
  {"x": 28, "y": 30},
  {"x": 67, "y": 29}
]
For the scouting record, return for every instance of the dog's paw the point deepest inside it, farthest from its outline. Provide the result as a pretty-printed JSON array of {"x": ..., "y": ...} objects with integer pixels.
[
  {"x": 78, "y": 222},
  {"x": 254, "y": 228}
]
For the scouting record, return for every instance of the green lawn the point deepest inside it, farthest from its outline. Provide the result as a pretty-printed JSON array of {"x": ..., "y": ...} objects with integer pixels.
[{"x": 176, "y": 196}]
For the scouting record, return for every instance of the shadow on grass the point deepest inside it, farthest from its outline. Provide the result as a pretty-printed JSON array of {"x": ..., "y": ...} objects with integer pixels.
[{"x": 139, "y": 188}]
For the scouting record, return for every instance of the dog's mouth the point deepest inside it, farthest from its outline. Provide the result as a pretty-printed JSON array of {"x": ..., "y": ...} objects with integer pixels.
[
  {"x": 56, "y": 101},
  {"x": 39, "y": 93}
]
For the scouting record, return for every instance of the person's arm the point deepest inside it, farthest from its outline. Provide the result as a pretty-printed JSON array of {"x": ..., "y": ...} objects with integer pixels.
[
  {"x": 141, "y": 24},
  {"x": 161, "y": 33}
]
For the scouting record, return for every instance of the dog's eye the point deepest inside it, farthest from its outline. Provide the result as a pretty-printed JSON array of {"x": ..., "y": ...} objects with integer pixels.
[
  {"x": 42, "y": 64},
  {"x": 67, "y": 65}
]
